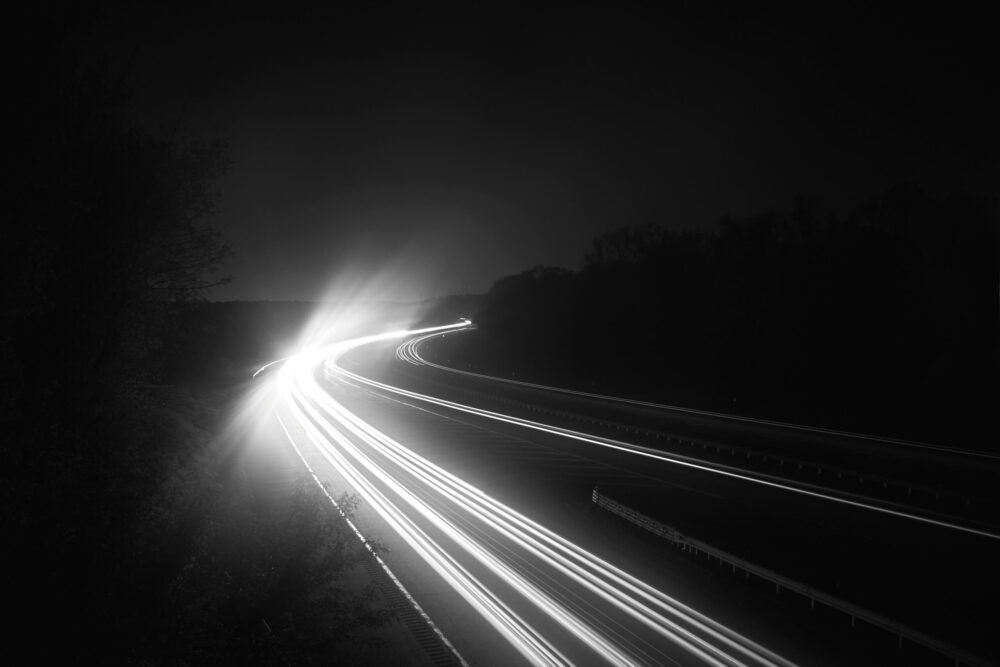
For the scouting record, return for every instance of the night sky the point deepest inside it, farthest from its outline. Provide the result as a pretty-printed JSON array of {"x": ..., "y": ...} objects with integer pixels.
[{"x": 432, "y": 150}]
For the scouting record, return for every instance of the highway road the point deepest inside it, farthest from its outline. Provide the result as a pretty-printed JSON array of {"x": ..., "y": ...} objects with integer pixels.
[{"x": 481, "y": 489}]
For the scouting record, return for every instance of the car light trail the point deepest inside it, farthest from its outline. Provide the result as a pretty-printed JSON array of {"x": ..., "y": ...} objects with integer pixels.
[
  {"x": 473, "y": 541},
  {"x": 813, "y": 491},
  {"x": 479, "y": 596},
  {"x": 410, "y": 353},
  {"x": 368, "y": 545}
]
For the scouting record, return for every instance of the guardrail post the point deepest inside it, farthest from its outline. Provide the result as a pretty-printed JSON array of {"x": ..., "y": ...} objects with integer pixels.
[{"x": 696, "y": 547}]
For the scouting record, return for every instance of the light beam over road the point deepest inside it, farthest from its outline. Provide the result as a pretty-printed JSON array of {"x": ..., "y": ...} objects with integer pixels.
[
  {"x": 553, "y": 601},
  {"x": 407, "y": 352}
]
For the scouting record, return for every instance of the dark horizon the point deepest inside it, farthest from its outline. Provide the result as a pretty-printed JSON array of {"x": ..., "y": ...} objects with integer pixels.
[{"x": 444, "y": 148}]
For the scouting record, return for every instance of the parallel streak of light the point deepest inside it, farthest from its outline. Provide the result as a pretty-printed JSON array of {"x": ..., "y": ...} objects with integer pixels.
[
  {"x": 324, "y": 419},
  {"x": 549, "y": 546},
  {"x": 334, "y": 368},
  {"x": 544, "y": 602},
  {"x": 555, "y": 610},
  {"x": 411, "y": 354},
  {"x": 498, "y": 614},
  {"x": 378, "y": 559},
  {"x": 483, "y": 556}
]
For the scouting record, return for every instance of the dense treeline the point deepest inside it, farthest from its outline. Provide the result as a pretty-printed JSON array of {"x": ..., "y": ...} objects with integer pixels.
[
  {"x": 115, "y": 484},
  {"x": 884, "y": 320}
]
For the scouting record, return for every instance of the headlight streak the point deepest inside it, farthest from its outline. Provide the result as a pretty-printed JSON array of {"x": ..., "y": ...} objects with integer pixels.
[
  {"x": 543, "y": 601},
  {"x": 499, "y": 615},
  {"x": 327, "y": 424},
  {"x": 518, "y": 582},
  {"x": 268, "y": 365},
  {"x": 368, "y": 546},
  {"x": 410, "y": 353},
  {"x": 638, "y": 450}
]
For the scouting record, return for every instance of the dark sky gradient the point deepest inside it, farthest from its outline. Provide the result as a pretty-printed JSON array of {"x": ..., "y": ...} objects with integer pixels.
[{"x": 439, "y": 149}]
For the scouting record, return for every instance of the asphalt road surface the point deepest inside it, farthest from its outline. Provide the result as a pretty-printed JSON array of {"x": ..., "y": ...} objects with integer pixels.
[{"x": 481, "y": 491}]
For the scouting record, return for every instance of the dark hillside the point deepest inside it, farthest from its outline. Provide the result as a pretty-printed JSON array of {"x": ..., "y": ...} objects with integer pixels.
[{"x": 885, "y": 321}]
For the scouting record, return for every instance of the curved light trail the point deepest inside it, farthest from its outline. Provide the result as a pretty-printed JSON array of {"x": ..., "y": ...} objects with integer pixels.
[
  {"x": 554, "y": 602},
  {"x": 410, "y": 353},
  {"x": 407, "y": 352}
]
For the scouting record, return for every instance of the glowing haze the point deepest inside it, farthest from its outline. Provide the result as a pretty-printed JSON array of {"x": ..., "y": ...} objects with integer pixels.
[{"x": 440, "y": 148}]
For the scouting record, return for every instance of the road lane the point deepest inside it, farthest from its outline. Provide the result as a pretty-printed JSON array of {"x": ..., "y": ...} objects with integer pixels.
[
  {"x": 930, "y": 577},
  {"x": 940, "y": 482},
  {"x": 553, "y": 602}
]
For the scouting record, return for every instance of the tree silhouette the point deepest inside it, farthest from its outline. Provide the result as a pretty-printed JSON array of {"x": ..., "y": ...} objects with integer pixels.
[
  {"x": 108, "y": 230},
  {"x": 885, "y": 320},
  {"x": 109, "y": 226}
]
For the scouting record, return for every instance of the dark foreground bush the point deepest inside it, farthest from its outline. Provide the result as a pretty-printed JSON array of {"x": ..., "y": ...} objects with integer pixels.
[
  {"x": 160, "y": 550},
  {"x": 278, "y": 582}
]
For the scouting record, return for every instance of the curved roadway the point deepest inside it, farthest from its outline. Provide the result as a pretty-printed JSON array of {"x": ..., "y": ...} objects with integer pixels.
[{"x": 486, "y": 483}]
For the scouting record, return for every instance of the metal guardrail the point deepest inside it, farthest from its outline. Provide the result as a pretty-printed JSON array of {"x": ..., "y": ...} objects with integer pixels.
[
  {"x": 828, "y": 471},
  {"x": 901, "y": 631}
]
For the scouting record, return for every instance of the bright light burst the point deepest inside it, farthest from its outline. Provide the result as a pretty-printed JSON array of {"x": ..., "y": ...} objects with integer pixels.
[{"x": 552, "y": 600}]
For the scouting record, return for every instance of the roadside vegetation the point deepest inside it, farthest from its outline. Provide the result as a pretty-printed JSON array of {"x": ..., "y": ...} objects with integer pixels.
[
  {"x": 884, "y": 320},
  {"x": 129, "y": 534}
]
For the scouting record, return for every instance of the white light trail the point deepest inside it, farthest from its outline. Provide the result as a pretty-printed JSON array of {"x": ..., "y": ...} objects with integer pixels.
[
  {"x": 771, "y": 481},
  {"x": 453, "y": 525},
  {"x": 368, "y": 545},
  {"x": 409, "y": 352}
]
